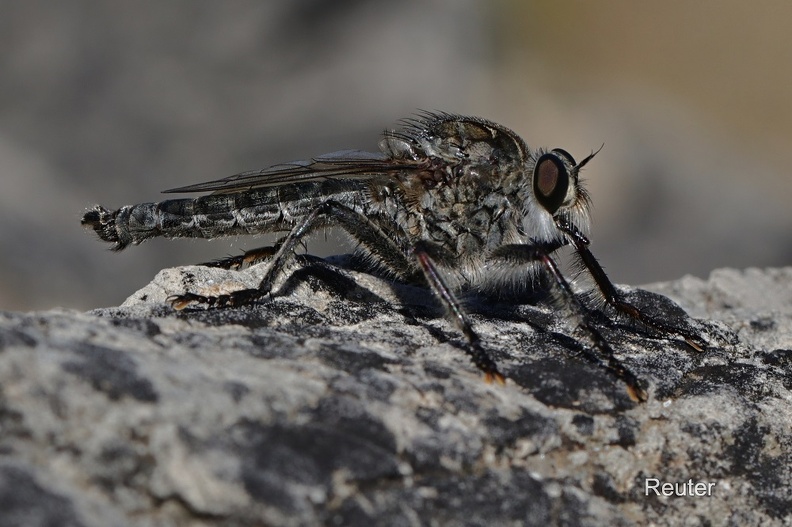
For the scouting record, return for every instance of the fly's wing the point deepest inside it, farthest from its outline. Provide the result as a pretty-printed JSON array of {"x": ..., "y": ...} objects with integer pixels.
[{"x": 346, "y": 164}]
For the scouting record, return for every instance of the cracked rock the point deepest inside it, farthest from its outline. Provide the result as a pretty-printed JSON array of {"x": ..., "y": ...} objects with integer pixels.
[{"x": 347, "y": 400}]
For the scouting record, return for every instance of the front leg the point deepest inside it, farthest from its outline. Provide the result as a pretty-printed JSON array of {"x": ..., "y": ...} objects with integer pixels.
[
  {"x": 525, "y": 254},
  {"x": 611, "y": 295}
]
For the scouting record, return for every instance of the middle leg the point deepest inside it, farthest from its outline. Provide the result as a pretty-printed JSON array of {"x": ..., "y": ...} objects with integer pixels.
[{"x": 453, "y": 307}]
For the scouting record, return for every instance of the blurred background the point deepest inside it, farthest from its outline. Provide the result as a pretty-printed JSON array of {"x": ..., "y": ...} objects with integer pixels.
[{"x": 112, "y": 102}]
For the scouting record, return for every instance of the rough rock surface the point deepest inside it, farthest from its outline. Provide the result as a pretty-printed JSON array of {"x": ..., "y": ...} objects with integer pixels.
[{"x": 353, "y": 405}]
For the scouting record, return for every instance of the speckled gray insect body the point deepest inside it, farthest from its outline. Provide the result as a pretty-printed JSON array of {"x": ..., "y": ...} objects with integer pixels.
[{"x": 458, "y": 203}]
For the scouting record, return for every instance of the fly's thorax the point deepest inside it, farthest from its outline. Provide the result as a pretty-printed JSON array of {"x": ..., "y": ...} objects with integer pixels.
[
  {"x": 456, "y": 193},
  {"x": 463, "y": 217},
  {"x": 474, "y": 185},
  {"x": 444, "y": 147}
]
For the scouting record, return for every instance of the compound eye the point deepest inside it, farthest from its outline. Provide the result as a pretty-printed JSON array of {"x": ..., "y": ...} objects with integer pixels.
[
  {"x": 551, "y": 182},
  {"x": 567, "y": 155}
]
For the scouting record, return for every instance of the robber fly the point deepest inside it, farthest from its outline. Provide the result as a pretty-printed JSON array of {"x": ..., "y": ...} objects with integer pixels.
[{"x": 460, "y": 204}]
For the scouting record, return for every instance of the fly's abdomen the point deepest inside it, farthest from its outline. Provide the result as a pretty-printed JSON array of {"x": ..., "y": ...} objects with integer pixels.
[{"x": 210, "y": 216}]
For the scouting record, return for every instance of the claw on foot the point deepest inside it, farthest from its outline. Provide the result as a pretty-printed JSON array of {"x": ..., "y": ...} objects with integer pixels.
[
  {"x": 693, "y": 344},
  {"x": 179, "y": 302},
  {"x": 636, "y": 393},
  {"x": 494, "y": 376},
  {"x": 235, "y": 298}
]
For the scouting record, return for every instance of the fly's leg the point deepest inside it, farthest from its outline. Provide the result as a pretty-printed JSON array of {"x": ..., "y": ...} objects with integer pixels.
[
  {"x": 612, "y": 296},
  {"x": 248, "y": 296},
  {"x": 536, "y": 253},
  {"x": 328, "y": 213},
  {"x": 331, "y": 277},
  {"x": 244, "y": 260},
  {"x": 478, "y": 354}
]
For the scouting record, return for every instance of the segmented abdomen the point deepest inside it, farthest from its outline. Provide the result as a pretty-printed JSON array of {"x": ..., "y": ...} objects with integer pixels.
[{"x": 216, "y": 215}]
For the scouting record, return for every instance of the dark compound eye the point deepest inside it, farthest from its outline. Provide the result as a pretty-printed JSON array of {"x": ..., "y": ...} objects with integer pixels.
[
  {"x": 567, "y": 155},
  {"x": 551, "y": 182}
]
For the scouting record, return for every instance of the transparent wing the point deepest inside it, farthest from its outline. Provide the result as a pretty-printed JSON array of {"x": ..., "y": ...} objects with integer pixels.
[{"x": 343, "y": 164}]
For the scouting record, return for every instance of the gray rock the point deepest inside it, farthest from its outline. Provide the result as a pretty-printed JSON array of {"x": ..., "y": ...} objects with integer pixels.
[{"x": 351, "y": 403}]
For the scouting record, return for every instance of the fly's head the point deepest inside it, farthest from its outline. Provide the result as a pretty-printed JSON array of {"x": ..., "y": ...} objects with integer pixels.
[{"x": 553, "y": 194}]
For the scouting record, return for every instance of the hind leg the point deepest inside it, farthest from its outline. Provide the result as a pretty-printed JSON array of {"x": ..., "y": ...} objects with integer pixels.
[
  {"x": 246, "y": 259},
  {"x": 328, "y": 213}
]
